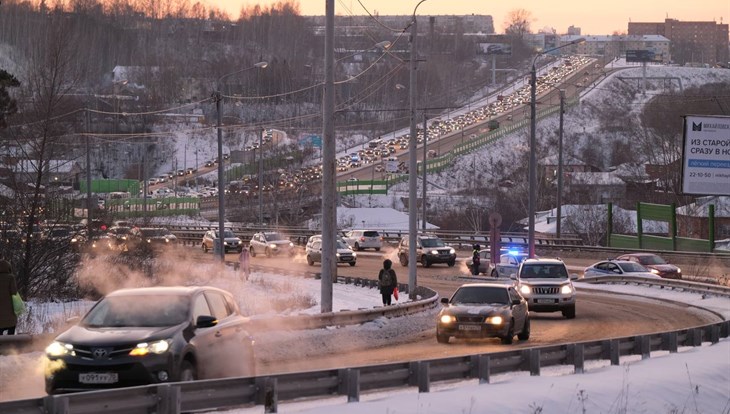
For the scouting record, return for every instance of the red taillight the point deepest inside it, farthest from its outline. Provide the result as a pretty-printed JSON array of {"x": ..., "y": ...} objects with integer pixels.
[{"x": 362, "y": 238}]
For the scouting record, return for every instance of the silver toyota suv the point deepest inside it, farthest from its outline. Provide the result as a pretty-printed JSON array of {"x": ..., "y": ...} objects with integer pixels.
[{"x": 546, "y": 285}]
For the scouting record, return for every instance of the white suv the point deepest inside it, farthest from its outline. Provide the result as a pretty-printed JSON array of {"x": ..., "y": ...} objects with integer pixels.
[
  {"x": 364, "y": 239},
  {"x": 270, "y": 243},
  {"x": 546, "y": 285}
]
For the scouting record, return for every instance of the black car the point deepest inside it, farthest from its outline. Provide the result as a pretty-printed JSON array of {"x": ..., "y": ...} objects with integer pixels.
[
  {"x": 484, "y": 310},
  {"x": 151, "y": 335},
  {"x": 145, "y": 237}
]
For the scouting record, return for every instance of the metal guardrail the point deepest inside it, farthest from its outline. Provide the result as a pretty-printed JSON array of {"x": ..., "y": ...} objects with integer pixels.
[
  {"x": 270, "y": 390},
  {"x": 672, "y": 284}
]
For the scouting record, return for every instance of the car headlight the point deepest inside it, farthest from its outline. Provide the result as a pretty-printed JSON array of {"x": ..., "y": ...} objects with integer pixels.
[
  {"x": 448, "y": 319},
  {"x": 337, "y": 254},
  {"x": 434, "y": 252},
  {"x": 225, "y": 243},
  {"x": 354, "y": 254},
  {"x": 124, "y": 237},
  {"x": 452, "y": 251},
  {"x": 566, "y": 289},
  {"x": 654, "y": 271},
  {"x": 495, "y": 320},
  {"x": 144, "y": 348},
  {"x": 149, "y": 240},
  {"x": 679, "y": 270},
  {"x": 525, "y": 289},
  {"x": 291, "y": 244},
  {"x": 74, "y": 240},
  {"x": 57, "y": 349},
  {"x": 272, "y": 245}
]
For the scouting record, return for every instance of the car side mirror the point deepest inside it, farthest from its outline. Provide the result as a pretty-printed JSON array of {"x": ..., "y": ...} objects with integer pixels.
[
  {"x": 516, "y": 301},
  {"x": 445, "y": 301},
  {"x": 205, "y": 321},
  {"x": 574, "y": 276}
]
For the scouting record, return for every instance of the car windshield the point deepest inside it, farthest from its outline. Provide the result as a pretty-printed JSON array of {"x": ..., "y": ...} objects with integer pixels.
[
  {"x": 274, "y": 237},
  {"x": 544, "y": 271},
  {"x": 138, "y": 311},
  {"x": 228, "y": 234},
  {"x": 342, "y": 245},
  {"x": 59, "y": 232},
  {"x": 480, "y": 295},
  {"x": 632, "y": 267},
  {"x": 432, "y": 243},
  {"x": 651, "y": 260},
  {"x": 154, "y": 232}
]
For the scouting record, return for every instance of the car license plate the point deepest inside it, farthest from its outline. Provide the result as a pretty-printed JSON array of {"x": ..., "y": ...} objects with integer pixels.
[
  {"x": 98, "y": 378},
  {"x": 544, "y": 300},
  {"x": 469, "y": 327}
]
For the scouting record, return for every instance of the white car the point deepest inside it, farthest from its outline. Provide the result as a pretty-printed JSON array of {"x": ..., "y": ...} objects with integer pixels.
[
  {"x": 343, "y": 254},
  {"x": 618, "y": 268},
  {"x": 364, "y": 239},
  {"x": 270, "y": 243}
]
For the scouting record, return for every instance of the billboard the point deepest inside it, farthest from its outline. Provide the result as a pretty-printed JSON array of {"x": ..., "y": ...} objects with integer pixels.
[
  {"x": 495, "y": 48},
  {"x": 642, "y": 56},
  {"x": 706, "y": 155}
]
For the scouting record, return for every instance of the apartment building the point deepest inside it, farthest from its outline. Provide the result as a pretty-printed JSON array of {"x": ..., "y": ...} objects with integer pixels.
[{"x": 691, "y": 42}]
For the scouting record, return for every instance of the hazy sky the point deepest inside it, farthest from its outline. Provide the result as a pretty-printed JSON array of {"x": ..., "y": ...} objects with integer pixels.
[{"x": 593, "y": 17}]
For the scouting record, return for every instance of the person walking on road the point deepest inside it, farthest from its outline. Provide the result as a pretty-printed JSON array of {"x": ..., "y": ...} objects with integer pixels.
[
  {"x": 387, "y": 281},
  {"x": 476, "y": 260},
  {"x": 8, "y": 319}
]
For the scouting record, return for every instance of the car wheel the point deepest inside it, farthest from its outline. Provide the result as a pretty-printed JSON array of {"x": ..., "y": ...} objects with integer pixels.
[
  {"x": 494, "y": 273},
  {"x": 424, "y": 261},
  {"x": 252, "y": 251},
  {"x": 451, "y": 263},
  {"x": 352, "y": 264},
  {"x": 569, "y": 313},
  {"x": 357, "y": 247},
  {"x": 377, "y": 249},
  {"x": 188, "y": 372},
  {"x": 403, "y": 260},
  {"x": 205, "y": 248},
  {"x": 267, "y": 252},
  {"x": 507, "y": 339},
  {"x": 525, "y": 334},
  {"x": 442, "y": 339},
  {"x": 310, "y": 261}
]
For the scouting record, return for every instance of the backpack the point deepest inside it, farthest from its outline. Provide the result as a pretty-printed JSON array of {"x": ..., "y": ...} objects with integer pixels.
[{"x": 388, "y": 278}]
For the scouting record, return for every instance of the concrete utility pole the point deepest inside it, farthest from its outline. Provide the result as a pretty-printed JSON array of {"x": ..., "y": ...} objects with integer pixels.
[
  {"x": 560, "y": 165},
  {"x": 425, "y": 155},
  {"x": 88, "y": 177},
  {"x": 329, "y": 190},
  {"x": 412, "y": 164}
]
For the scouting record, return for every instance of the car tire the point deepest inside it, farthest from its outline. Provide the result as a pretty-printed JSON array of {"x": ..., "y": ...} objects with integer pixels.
[
  {"x": 507, "y": 339},
  {"x": 252, "y": 252},
  {"x": 403, "y": 260},
  {"x": 188, "y": 372},
  {"x": 442, "y": 339},
  {"x": 352, "y": 264},
  {"x": 205, "y": 248},
  {"x": 451, "y": 263},
  {"x": 377, "y": 249},
  {"x": 569, "y": 313},
  {"x": 425, "y": 262},
  {"x": 310, "y": 261},
  {"x": 525, "y": 333},
  {"x": 357, "y": 247}
]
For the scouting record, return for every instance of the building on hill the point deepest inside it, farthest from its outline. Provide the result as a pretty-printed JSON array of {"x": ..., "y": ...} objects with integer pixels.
[
  {"x": 616, "y": 45},
  {"x": 692, "y": 219},
  {"x": 691, "y": 42}
]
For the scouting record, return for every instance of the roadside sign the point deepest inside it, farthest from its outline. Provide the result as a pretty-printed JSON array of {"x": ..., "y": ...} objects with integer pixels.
[{"x": 706, "y": 155}]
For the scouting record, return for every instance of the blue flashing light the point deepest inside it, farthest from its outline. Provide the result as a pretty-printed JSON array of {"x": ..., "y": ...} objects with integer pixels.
[{"x": 513, "y": 252}]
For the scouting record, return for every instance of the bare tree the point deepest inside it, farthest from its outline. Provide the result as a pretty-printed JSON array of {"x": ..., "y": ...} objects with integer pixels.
[{"x": 517, "y": 23}]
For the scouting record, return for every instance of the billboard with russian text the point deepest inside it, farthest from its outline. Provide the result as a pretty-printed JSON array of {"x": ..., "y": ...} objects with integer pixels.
[{"x": 706, "y": 155}]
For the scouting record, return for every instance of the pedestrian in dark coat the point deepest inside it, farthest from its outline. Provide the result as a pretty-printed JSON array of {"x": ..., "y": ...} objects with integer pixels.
[
  {"x": 387, "y": 281},
  {"x": 8, "y": 319}
]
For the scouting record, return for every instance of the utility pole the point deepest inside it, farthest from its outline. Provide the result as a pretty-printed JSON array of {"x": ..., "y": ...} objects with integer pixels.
[
  {"x": 88, "y": 176},
  {"x": 329, "y": 190},
  {"x": 261, "y": 179},
  {"x": 412, "y": 165},
  {"x": 560, "y": 165},
  {"x": 425, "y": 156}
]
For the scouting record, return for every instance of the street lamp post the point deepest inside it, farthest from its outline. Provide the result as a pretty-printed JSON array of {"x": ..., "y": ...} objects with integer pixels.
[
  {"x": 533, "y": 149},
  {"x": 221, "y": 170},
  {"x": 412, "y": 164}
]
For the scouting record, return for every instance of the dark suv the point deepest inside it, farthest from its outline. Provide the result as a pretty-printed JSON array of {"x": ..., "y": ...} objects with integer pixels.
[
  {"x": 152, "y": 335},
  {"x": 429, "y": 249}
]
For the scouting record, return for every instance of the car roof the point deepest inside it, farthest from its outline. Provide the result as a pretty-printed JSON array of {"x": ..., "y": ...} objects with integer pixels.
[
  {"x": 162, "y": 290},
  {"x": 638, "y": 254},
  {"x": 485, "y": 284},
  {"x": 542, "y": 260}
]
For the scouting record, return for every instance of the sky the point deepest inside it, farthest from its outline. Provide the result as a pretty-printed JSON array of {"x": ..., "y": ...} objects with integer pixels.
[{"x": 593, "y": 17}]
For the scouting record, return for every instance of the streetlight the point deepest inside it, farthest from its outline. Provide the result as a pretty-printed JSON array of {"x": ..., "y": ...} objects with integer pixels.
[
  {"x": 221, "y": 191},
  {"x": 412, "y": 164},
  {"x": 533, "y": 167}
]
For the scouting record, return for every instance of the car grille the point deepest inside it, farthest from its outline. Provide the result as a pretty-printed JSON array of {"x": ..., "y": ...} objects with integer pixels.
[
  {"x": 545, "y": 290},
  {"x": 99, "y": 352},
  {"x": 346, "y": 257},
  {"x": 470, "y": 319}
]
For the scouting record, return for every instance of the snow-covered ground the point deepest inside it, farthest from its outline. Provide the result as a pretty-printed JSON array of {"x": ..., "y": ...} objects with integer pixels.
[{"x": 695, "y": 380}]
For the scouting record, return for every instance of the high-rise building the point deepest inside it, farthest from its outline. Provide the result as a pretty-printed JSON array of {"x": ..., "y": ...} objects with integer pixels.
[{"x": 691, "y": 42}]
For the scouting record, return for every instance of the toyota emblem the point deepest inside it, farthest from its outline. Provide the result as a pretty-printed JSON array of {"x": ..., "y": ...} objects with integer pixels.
[{"x": 100, "y": 353}]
